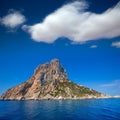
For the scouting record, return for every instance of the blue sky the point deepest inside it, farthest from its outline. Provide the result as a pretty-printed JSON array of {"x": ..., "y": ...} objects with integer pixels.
[{"x": 83, "y": 35}]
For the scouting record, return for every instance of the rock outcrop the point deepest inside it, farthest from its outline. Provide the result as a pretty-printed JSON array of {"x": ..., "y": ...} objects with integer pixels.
[{"x": 50, "y": 81}]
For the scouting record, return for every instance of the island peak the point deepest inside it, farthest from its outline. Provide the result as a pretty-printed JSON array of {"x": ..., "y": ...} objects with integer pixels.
[{"x": 50, "y": 81}]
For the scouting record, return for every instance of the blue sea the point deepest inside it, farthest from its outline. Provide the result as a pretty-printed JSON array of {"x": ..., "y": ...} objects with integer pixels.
[{"x": 92, "y": 109}]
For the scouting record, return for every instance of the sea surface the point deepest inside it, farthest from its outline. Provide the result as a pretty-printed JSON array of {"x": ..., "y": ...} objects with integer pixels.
[{"x": 92, "y": 109}]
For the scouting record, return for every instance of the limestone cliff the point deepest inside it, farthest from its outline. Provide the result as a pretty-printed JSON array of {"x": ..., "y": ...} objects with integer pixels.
[{"x": 49, "y": 81}]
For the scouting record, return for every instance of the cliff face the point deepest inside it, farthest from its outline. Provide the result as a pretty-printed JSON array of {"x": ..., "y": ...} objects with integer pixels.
[{"x": 49, "y": 81}]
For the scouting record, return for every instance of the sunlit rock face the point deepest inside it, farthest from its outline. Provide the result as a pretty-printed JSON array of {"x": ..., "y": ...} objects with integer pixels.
[{"x": 50, "y": 71}]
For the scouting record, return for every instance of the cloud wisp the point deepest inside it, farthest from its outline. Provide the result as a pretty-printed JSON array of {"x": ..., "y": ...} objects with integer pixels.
[
  {"x": 115, "y": 83},
  {"x": 13, "y": 19},
  {"x": 75, "y": 23},
  {"x": 93, "y": 46},
  {"x": 116, "y": 44}
]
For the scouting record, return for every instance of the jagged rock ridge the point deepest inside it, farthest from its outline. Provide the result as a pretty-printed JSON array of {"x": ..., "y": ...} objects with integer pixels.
[{"x": 49, "y": 81}]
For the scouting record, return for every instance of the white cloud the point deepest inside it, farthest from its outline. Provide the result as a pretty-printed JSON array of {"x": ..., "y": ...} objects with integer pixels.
[
  {"x": 75, "y": 23},
  {"x": 116, "y": 44},
  {"x": 13, "y": 19},
  {"x": 93, "y": 46}
]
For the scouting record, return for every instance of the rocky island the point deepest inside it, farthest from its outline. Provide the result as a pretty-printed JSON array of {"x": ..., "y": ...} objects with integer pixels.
[{"x": 50, "y": 81}]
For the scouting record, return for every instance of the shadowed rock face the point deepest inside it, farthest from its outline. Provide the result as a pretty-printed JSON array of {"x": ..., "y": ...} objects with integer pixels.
[{"x": 49, "y": 81}]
